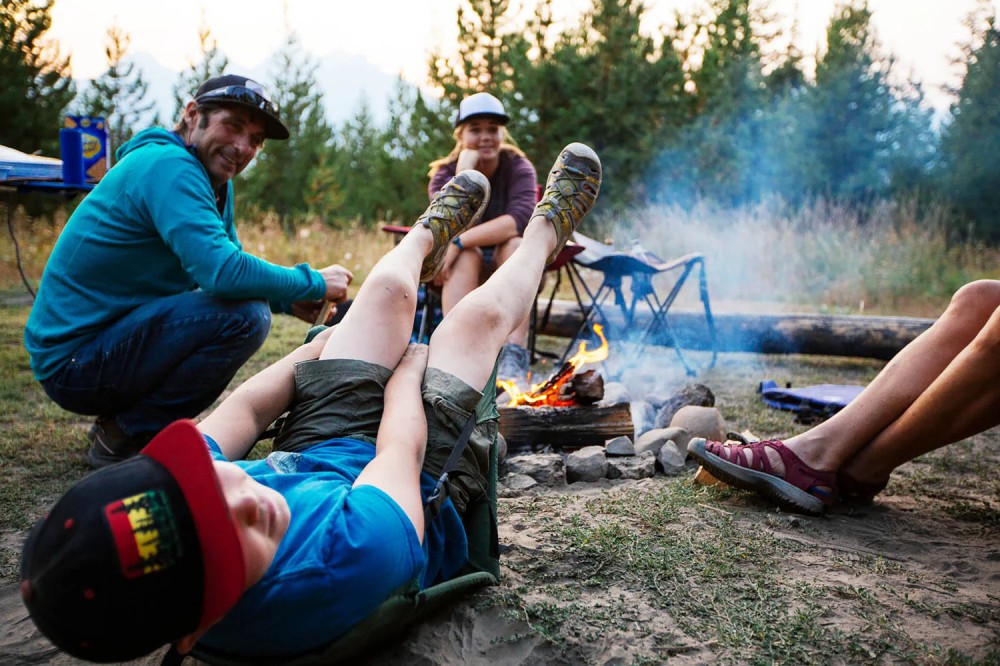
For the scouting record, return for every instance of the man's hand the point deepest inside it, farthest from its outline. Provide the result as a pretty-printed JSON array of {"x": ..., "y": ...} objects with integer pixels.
[
  {"x": 337, "y": 278},
  {"x": 307, "y": 311}
]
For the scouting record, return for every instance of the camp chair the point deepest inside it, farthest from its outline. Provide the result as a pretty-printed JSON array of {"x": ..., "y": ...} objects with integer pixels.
[
  {"x": 409, "y": 604},
  {"x": 641, "y": 267}
]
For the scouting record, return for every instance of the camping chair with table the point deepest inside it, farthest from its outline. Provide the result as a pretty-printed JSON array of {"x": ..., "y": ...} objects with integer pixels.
[{"x": 646, "y": 274}]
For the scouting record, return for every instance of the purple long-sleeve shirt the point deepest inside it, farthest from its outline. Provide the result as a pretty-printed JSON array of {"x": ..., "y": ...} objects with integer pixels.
[{"x": 513, "y": 188}]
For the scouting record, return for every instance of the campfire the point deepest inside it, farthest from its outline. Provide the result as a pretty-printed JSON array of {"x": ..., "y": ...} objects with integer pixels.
[{"x": 551, "y": 393}]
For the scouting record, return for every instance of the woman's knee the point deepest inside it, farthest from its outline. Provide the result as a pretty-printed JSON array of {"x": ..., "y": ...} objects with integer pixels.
[{"x": 975, "y": 302}]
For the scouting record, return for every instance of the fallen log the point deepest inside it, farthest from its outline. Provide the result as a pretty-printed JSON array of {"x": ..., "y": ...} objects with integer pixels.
[
  {"x": 825, "y": 335},
  {"x": 565, "y": 427}
]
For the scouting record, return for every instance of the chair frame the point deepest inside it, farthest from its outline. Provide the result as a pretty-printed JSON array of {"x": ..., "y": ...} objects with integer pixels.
[{"x": 640, "y": 267}]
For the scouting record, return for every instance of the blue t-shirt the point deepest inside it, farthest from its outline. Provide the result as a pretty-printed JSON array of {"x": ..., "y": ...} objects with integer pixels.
[{"x": 345, "y": 552}]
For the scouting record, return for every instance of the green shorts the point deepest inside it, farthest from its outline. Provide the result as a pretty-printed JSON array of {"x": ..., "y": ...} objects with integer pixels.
[{"x": 344, "y": 398}]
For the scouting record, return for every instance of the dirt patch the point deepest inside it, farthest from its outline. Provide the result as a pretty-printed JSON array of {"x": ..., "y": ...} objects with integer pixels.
[
  {"x": 634, "y": 572},
  {"x": 589, "y": 577}
]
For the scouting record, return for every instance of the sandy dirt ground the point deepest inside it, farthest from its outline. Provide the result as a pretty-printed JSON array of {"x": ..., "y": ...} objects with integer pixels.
[{"x": 909, "y": 579}]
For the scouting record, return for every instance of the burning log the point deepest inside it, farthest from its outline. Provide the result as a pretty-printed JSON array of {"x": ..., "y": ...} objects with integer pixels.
[
  {"x": 587, "y": 387},
  {"x": 551, "y": 392},
  {"x": 565, "y": 427}
]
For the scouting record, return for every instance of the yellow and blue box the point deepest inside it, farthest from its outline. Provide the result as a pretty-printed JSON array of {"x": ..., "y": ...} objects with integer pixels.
[{"x": 94, "y": 143}]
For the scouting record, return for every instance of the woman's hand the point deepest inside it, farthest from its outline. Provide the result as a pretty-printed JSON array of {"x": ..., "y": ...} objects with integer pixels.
[{"x": 467, "y": 159}]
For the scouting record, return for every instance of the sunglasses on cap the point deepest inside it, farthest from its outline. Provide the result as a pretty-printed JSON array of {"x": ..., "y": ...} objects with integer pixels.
[{"x": 254, "y": 96}]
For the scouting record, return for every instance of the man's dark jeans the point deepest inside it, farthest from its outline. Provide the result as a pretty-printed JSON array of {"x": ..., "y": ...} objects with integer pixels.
[{"x": 166, "y": 360}]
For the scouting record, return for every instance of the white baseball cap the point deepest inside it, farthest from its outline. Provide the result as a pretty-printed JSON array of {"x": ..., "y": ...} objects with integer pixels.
[{"x": 481, "y": 105}]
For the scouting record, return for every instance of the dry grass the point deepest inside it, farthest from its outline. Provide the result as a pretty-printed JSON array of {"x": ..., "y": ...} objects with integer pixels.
[{"x": 887, "y": 259}]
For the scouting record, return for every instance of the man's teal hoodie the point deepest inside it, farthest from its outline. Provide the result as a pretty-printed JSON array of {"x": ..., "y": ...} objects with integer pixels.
[{"x": 151, "y": 228}]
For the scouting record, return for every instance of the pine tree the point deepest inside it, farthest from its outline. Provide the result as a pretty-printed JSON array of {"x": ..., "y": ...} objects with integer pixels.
[
  {"x": 359, "y": 165},
  {"x": 213, "y": 62},
  {"x": 119, "y": 95},
  {"x": 284, "y": 178},
  {"x": 35, "y": 82},
  {"x": 863, "y": 126},
  {"x": 971, "y": 142}
]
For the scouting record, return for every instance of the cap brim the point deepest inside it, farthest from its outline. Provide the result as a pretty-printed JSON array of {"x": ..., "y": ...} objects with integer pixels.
[
  {"x": 181, "y": 449},
  {"x": 502, "y": 118},
  {"x": 273, "y": 128}
]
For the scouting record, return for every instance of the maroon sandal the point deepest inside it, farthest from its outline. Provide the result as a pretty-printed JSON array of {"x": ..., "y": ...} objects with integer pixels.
[
  {"x": 802, "y": 489},
  {"x": 853, "y": 491}
]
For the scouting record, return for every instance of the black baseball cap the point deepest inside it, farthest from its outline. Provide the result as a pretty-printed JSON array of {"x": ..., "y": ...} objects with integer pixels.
[
  {"x": 239, "y": 90},
  {"x": 136, "y": 555}
]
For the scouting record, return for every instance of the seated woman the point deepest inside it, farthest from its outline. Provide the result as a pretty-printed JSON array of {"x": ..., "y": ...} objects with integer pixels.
[
  {"x": 941, "y": 388},
  {"x": 483, "y": 143}
]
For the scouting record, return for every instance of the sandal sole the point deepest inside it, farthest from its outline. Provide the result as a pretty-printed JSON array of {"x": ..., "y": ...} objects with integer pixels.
[{"x": 767, "y": 485}]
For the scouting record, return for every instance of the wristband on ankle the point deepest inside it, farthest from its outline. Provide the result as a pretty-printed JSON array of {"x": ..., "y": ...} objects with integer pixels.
[{"x": 458, "y": 241}]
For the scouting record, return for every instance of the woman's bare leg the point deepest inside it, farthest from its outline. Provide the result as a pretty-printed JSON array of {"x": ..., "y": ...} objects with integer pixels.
[{"x": 937, "y": 368}]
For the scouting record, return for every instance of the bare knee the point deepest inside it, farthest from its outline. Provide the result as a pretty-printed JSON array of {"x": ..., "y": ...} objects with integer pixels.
[
  {"x": 392, "y": 284},
  {"x": 975, "y": 303},
  {"x": 475, "y": 314}
]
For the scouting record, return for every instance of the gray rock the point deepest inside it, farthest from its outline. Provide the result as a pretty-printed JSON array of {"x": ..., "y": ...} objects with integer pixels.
[
  {"x": 654, "y": 439},
  {"x": 519, "y": 482},
  {"x": 614, "y": 393},
  {"x": 658, "y": 398},
  {"x": 643, "y": 417},
  {"x": 671, "y": 460},
  {"x": 697, "y": 395},
  {"x": 586, "y": 464},
  {"x": 632, "y": 467},
  {"x": 545, "y": 468},
  {"x": 701, "y": 422},
  {"x": 619, "y": 446}
]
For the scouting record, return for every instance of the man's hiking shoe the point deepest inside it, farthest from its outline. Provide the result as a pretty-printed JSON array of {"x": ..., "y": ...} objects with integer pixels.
[
  {"x": 455, "y": 208},
  {"x": 570, "y": 191},
  {"x": 110, "y": 445}
]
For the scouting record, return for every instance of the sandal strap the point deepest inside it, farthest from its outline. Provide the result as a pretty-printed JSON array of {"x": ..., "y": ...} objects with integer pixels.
[
  {"x": 736, "y": 454},
  {"x": 818, "y": 483}
]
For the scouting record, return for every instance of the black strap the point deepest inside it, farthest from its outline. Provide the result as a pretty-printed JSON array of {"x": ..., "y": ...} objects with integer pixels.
[{"x": 440, "y": 492}]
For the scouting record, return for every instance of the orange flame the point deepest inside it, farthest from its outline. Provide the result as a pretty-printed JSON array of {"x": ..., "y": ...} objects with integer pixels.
[{"x": 549, "y": 392}]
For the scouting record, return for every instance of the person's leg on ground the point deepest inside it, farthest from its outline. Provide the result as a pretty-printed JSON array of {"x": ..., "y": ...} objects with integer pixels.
[
  {"x": 935, "y": 391},
  {"x": 962, "y": 401},
  {"x": 463, "y": 278},
  {"x": 165, "y": 360}
]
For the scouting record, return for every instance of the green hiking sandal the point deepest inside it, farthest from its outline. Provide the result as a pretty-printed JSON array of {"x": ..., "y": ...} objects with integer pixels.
[
  {"x": 570, "y": 192},
  {"x": 455, "y": 208}
]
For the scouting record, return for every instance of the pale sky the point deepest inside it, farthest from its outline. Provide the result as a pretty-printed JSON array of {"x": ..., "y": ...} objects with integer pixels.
[{"x": 396, "y": 35}]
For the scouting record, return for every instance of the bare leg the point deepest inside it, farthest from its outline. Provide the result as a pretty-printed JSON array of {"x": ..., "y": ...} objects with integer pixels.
[
  {"x": 378, "y": 325},
  {"x": 467, "y": 341},
  {"x": 519, "y": 336},
  {"x": 464, "y": 277},
  {"x": 939, "y": 388},
  {"x": 962, "y": 401}
]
